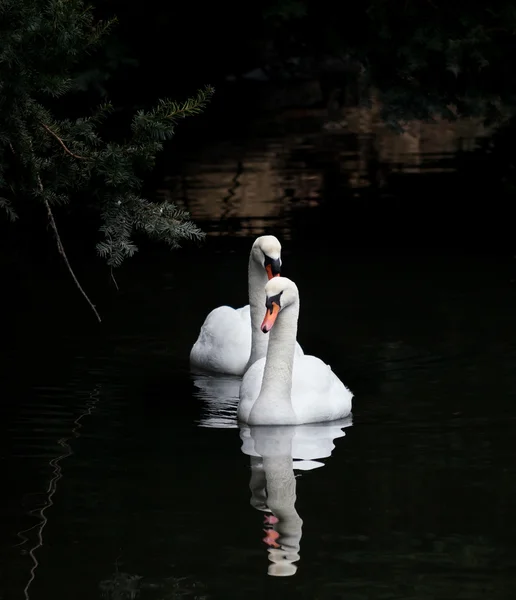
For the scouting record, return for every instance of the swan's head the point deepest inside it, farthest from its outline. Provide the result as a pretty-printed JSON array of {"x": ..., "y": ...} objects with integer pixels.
[
  {"x": 279, "y": 293},
  {"x": 266, "y": 251}
]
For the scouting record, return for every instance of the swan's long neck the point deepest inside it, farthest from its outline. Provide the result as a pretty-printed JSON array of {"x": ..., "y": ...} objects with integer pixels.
[
  {"x": 257, "y": 278},
  {"x": 274, "y": 401}
]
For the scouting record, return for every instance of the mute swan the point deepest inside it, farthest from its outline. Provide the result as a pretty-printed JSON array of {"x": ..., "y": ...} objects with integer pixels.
[
  {"x": 280, "y": 389},
  {"x": 230, "y": 339}
]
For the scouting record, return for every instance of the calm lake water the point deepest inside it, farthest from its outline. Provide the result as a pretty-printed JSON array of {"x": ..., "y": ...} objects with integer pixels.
[{"x": 124, "y": 477}]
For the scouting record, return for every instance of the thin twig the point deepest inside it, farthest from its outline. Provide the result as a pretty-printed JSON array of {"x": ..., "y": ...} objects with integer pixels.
[
  {"x": 62, "y": 252},
  {"x": 47, "y": 128},
  {"x": 114, "y": 280}
]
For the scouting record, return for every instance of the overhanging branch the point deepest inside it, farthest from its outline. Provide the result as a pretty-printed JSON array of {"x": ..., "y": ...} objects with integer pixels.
[{"x": 54, "y": 134}]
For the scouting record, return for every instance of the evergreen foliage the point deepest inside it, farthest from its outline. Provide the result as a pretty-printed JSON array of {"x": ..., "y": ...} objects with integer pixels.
[
  {"x": 424, "y": 58},
  {"x": 53, "y": 161}
]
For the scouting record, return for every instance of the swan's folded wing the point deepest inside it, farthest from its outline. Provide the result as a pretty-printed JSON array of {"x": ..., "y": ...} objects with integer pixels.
[
  {"x": 311, "y": 377},
  {"x": 244, "y": 313},
  {"x": 224, "y": 342},
  {"x": 299, "y": 351},
  {"x": 317, "y": 393}
]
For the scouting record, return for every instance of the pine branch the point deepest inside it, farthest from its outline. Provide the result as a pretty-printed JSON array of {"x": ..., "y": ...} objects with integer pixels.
[
  {"x": 159, "y": 123},
  {"x": 192, "y": 106},
  {"x": 7, "y": 206},
  {"x": 47, "y": 128},
  {"x": 40, "y": 50},
  {"x": 114, "y": 279}
]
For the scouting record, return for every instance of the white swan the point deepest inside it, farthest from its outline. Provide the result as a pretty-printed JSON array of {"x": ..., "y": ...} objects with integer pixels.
[
  {"x": 281, "y": 390},
  {"x": 230, "y": 339}
]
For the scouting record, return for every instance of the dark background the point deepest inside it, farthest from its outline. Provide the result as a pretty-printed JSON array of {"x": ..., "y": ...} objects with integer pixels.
[
  {"x": 171, "y": 50},
  {"x": 407, "y": 292}
]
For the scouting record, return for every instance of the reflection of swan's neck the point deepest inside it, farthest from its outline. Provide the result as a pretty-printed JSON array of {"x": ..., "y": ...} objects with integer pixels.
[
  {"x": 257, "y": 278},
  {"x": 273, "y": 484},
  {"x": 281, "y": 499},
  {"x": 257, "y": 485},
  {"x": 274, "y": 404},
  {"x": 280, "y": 482}
]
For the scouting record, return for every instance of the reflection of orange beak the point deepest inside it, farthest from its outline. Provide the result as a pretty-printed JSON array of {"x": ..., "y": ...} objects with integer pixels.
[
  {"x": 271, "y": 537},
  {"x": 268, "y": 268},
  {"x": 270, "y": 318}
]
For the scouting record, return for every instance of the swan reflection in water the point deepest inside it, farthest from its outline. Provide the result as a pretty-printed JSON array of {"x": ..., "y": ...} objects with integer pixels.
[
  {"x": 275, "y": 453},
  {"x": 219, "y": 396}
]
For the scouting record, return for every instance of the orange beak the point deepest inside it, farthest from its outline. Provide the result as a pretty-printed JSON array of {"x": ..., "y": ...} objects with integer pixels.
[
  {"x": 268, "y": 268},
  {"x": 270, "y": 317}
]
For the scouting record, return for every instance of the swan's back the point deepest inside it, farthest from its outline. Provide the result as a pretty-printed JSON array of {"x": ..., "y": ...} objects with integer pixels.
[
  {"x": 224, "y": 342},
  {"x": 318, "y": 395}
]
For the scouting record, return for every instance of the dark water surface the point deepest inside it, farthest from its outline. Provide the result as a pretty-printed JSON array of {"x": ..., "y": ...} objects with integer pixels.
[
  {"x": 116, "y": 466},
  {"x": 122, "y": 477}
]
